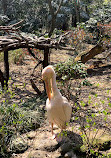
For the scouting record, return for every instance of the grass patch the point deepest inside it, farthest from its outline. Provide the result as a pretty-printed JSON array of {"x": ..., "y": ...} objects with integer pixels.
[{"x": 18, "y": 119}]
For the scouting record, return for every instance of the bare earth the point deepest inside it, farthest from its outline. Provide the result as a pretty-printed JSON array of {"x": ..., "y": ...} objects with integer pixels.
[{"x": 40, "y": 143}]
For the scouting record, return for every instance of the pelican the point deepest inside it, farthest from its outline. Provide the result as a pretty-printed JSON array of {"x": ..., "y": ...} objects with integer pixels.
[{"x": 58, "y": 108}]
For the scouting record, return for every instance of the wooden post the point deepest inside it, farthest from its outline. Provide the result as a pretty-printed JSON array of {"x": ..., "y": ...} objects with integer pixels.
[
  {"x": 2, "y": 79},
  {"x": 46, "y": 57},
  {"x": 46, "y": 60},
  {"x": 6, "y": 67}
]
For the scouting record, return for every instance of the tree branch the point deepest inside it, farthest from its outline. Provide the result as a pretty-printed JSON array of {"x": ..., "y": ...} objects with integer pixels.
[
  {"x": 18, "y": 23},
  {"x": 60, "y": 4}
]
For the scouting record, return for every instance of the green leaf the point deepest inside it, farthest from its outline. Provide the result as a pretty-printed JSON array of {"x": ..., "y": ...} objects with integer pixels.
[
  {"x": 97, "y": 84},
  {"x": 82, "y": 103},
  {"x": 76, "y": 118},
  {"x": 78, "y": 108},
  {"x": 107, "y": 91},
  {"x": 83, "y": 135},
  {"x": 14, "y": 105},
  {"x": 89, "y": 97},
  {"x": 105, "y": 118},
  {"x": 92, "y": 115},
  {"x": 104, "y": 112},
  {"x": 102, "y": 101},
  {"x": 87, "y": 126},
  {"x": 91, "y": 151},
  {"x": 95, "y": 129},
  {"x": 109, "y": 104}
]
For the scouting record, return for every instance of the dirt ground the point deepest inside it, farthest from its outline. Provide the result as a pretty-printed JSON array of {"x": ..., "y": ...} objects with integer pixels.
[{"x": 40, "y": 144}]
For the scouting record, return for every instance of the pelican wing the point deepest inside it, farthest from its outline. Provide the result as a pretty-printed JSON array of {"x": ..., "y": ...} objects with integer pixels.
[
  {"x": 63, "y": 116},
  {"x": 67, "y": 110},
  {"x": 59, "y": 112}
]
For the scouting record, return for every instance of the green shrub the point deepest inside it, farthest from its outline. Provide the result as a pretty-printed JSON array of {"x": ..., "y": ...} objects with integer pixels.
[
  {"x": 16, "y": 119},
  {"x": 70, "y": 69},
  {"x": 10, "y": 121}
]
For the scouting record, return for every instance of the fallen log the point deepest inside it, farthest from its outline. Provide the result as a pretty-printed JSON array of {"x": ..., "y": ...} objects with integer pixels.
[{"x": 85, "y": 56}]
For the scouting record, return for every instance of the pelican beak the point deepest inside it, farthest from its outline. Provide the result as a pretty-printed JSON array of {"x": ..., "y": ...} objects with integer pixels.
[{"x": 48, "y": 88}]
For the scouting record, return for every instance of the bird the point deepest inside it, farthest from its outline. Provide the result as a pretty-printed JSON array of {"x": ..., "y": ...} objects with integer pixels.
[{"x": 58, "y": 108}]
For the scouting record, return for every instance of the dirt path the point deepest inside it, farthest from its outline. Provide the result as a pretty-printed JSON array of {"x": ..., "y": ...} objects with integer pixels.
[{"x": 41, "y": 144}]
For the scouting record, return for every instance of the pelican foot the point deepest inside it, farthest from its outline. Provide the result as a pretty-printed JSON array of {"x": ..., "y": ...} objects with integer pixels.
[
  {"x": 54, "y": 136},
  {"x": 59, "y": 138}
]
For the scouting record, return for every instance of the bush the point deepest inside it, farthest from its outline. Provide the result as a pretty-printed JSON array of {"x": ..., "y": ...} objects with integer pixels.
[
  {"x": 70, "y": 69},
  {"x": 10, "y": 121}
]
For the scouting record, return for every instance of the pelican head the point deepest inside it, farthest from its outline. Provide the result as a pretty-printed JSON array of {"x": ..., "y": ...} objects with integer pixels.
[{"x": 47, "y": 75}]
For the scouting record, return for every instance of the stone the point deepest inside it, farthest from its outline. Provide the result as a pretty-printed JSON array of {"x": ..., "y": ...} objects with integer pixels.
[
  {"x": 65, "y": 147},
  {"x": 31, "y": 134},
  {"x": 70, "y": 154}
]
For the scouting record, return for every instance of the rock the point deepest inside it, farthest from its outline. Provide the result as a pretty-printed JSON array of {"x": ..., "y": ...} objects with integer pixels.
[
  {"x": 70, "y": 141},
  {"x": 18, "y": 145},
  {"x": 70, "y": 154},
  {"x": 65, "y": 147},
  {"x": 105, "y": 146},
  {"x": 31, "y": 134}
]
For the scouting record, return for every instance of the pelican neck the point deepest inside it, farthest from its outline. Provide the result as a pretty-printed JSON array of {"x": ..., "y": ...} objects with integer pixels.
[{"x": 54, "y": 85}]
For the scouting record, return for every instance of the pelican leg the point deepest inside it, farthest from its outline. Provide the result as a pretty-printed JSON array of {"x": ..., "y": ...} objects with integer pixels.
[
  {"x": 52, "y": 128},
  {"x": 53, "y": 135}
]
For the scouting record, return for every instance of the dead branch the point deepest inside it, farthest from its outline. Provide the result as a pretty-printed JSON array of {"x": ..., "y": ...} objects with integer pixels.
[
  {"x": 16, "y": 24},
  {"x": 30, "y": 52},
  {"x": 31, "y": 80},
  {"x": 40, "y": 62},
  {"x": 85, "y": 56},
  {"x": 35, "y": 87}
]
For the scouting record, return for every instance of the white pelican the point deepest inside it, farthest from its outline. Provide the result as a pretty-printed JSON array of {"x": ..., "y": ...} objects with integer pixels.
[{"x": 58, "y": 108}]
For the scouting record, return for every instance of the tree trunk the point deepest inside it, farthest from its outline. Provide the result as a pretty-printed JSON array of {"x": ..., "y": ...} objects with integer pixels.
[
  {"x": 52, "y": 25},
  {"x": 4, "y": 6},
  {"x": 6, "y": 67},
  {"x": 77, "y": 9},
  {"x": 54, "y": 15}
]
